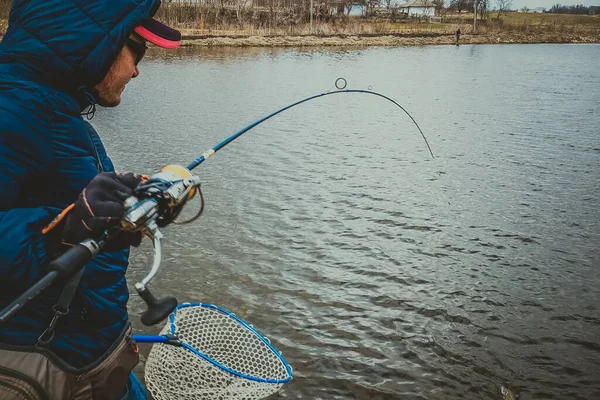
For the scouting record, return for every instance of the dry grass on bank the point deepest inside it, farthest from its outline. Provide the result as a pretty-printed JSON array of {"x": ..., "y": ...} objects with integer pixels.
[
  {"x": 358, "y": 31},
  {"x": 324, "y": 29},
  {"x": 551, "y": 19},
  {"x": 510, "y": 24},
  {"x": 533, "y": 23}
]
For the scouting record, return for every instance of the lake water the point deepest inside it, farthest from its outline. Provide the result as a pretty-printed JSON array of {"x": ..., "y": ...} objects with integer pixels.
[{"x": 378, "y": 271}]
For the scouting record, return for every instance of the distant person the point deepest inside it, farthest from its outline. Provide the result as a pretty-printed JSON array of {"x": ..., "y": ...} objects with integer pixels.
[
  {"x": 58, "y": 58},
  {"x": 457, "y": 36}
]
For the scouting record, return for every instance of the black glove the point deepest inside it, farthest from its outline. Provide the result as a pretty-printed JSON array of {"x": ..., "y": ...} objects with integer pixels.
[{"x": 100, "y": 207}]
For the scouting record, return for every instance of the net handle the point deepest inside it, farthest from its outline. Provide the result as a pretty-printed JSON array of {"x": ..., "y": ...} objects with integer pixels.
[{"x": 165, "y": 339}]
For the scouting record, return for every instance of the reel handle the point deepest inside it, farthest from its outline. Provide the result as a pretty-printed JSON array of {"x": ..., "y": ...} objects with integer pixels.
[{"x": 158, "y": 309}]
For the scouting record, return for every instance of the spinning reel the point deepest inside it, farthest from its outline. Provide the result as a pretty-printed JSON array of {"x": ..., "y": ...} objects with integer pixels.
[{"x": 157, "y": 202}]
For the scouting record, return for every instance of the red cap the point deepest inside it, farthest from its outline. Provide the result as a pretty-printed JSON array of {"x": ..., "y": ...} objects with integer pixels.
[{"x": 159, "y": 34}]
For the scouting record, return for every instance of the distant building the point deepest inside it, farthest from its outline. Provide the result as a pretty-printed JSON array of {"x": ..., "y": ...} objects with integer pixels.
[
  {"x": 418, "y": 8},
  {"x": 356, "y": 9},
  {"x": 538, "y": 10}
]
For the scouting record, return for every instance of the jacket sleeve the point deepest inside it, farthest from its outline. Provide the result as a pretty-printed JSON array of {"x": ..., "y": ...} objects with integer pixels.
[{"x": 23, "y": 248}]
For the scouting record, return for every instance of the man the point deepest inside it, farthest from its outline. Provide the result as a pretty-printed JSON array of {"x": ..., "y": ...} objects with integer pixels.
[{"x": 57, "y": 59}]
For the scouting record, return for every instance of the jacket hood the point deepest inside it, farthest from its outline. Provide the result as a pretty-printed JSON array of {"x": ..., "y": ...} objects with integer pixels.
[{"x": 69, "y": 44}]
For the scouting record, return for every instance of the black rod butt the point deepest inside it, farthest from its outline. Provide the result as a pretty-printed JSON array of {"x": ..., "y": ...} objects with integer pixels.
[{"x": 158, "y": 309}]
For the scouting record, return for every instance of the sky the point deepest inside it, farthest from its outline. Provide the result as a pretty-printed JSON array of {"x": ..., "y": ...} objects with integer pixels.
[{"x": 517, "y": 4}]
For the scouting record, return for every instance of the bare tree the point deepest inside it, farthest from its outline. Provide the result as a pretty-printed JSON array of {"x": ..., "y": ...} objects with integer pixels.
[
  {"x": 482, "y": 8},
  {"x": 439, "y": 4},
  {"x": 504, "y": 6},
  {"x": 370, "y": 5},
  {"x": 460, "y": 5},
  {"x": 348, "y": 6}
]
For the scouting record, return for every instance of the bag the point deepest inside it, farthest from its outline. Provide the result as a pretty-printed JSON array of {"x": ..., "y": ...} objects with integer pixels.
[
  {"x": 17, "y": 386},
  {"x": 34, "y": 374}
]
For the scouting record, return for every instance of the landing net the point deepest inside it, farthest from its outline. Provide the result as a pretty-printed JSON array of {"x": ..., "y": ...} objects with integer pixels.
[{"x": 220, "y": 357}]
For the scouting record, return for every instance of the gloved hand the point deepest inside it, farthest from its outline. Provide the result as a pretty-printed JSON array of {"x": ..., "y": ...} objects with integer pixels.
[{"x": 100, "y": 207}]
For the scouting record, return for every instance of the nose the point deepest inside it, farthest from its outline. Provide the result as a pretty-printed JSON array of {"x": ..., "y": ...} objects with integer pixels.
[{"x": 136, "y": 72}]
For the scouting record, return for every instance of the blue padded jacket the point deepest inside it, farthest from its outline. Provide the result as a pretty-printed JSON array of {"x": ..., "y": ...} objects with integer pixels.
[{"x": 52, "y": 55}]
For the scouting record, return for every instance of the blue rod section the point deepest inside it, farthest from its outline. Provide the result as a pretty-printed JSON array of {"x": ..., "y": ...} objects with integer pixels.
[{"x": 239, "y": 133}]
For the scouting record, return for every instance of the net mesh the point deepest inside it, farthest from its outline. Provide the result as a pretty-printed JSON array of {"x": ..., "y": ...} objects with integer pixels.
[{"x": 246, "y": 361}]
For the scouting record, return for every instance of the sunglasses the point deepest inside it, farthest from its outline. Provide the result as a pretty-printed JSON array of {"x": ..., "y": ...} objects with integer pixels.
[{"x": 138, "y": 48}]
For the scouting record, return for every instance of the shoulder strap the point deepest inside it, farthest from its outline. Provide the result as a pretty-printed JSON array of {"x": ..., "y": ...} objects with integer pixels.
[{"x": 61, "y": 308}]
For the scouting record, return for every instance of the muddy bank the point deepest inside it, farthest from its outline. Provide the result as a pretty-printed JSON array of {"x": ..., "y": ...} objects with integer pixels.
[
  {"x": 381, "y": 40},
  {"x": 366, "y": 40},
  {"x": 370, "y": 39}
]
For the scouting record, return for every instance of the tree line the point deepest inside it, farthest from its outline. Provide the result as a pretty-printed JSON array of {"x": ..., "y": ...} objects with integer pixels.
[{"x": 578, "y": 9}]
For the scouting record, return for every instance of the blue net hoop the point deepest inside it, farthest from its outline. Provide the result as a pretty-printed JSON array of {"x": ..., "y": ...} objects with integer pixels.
[{"x": 218, "y": 356}]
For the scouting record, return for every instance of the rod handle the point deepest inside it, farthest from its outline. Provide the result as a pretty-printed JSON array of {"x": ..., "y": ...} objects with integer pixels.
[
  {"x": 75, "y": 258},
  {"x": 65, "y": 266}
]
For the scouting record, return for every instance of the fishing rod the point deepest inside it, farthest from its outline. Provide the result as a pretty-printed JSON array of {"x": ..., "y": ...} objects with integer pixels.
[
  {"x": 340, "y": 85},
  {"x": 156, "y": 203}
]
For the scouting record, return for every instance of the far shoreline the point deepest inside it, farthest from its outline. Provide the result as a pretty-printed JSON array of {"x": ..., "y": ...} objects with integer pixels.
[
  {"x": 383, "y": 40},
  {"x": 380, "y": 40}
]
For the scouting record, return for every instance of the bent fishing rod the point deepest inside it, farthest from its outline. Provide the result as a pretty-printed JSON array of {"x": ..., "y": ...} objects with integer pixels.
[
  {"x": 340, "y": 84},
  {"x": 156, "y": 203}
]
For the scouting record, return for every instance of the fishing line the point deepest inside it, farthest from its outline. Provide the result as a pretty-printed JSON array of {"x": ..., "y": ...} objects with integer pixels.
[{"x": 340, "y": 85}]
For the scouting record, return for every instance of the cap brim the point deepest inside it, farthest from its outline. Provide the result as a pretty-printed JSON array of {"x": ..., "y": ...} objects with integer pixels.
[{"x": 159, "y": 34}]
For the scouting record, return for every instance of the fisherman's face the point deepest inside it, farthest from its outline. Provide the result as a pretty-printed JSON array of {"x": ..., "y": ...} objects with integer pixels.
[{"x": 123, "y": 69}]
